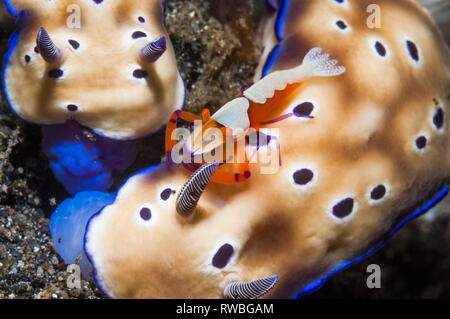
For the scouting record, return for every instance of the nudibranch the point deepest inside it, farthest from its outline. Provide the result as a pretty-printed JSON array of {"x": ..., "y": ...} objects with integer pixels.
[
  {"x": 363, "y": 153},
  {"x": 107, "y": 65}
]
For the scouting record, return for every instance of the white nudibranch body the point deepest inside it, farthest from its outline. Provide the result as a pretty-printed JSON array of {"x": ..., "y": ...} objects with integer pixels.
[{"x": 373, "y": 154}]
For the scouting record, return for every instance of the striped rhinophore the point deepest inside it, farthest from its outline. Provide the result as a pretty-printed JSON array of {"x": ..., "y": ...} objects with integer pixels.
[
  {"x": 153, "y": 51},
  {"x": 48, "y": 50},
  {"x": 250, "y": 290},
  {"x": 193, "y": 189}
]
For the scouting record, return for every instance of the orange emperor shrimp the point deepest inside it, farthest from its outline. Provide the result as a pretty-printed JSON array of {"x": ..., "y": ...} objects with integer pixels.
[{"x": 241, "y": 120}]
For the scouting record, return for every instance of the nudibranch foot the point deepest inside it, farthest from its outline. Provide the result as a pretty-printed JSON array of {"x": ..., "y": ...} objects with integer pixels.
[
  {"x": 83, "y": 161},
  {"x": 68, "y": 225}
]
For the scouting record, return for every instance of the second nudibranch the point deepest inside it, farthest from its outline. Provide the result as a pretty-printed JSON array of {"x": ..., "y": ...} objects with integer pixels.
[
  {"x": 107, "y": 67},
  {"x": 374, "y": 156}
]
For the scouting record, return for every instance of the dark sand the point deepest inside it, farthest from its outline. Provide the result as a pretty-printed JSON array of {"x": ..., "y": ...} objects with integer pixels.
[{"x": 217, "y": 55}]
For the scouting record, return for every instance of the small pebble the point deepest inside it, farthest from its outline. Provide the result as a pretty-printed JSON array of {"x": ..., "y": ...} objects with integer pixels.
[
  {"x": 36, "y": 201},
  {"x": 40, "y": 272}
]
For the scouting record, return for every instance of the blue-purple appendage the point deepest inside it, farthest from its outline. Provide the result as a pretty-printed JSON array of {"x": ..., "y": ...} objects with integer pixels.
[
  {"x": 272, "y": 5},
  {"x": 68, "y": 226},
  {"x": 84, "y": 163}
]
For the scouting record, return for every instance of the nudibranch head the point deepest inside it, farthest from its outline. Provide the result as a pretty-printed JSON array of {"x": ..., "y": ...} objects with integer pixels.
[
  {"x": 107, "y": 64},
  {"x": 375, "y": 156},
  {"x": 179, "y": 264}
]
